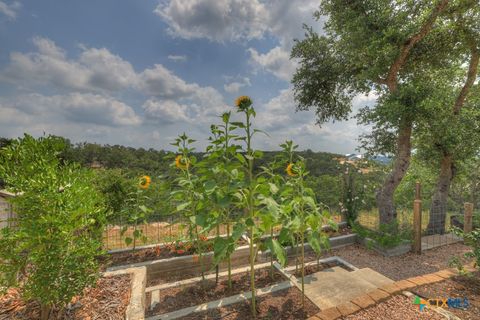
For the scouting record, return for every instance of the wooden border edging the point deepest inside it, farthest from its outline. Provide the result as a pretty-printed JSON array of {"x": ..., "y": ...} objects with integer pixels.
[{"x": 221, "y": 302}]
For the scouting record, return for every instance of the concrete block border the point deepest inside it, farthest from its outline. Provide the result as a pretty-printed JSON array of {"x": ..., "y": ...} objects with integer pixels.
[
  {"x": 383, "y": 293},
  {"x": 136, "y": 307},
  {"x": 221, "y": 302}
]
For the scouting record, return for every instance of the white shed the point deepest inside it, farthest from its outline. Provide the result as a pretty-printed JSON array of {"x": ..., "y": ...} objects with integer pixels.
[{"x": 7, "y": 216}]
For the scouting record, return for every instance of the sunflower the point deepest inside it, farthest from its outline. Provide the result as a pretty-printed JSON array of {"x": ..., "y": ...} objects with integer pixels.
[
  {"x": 289, "y": 170},
  {"x": 243, "y": 102},
  {"x": 181, "y": 163},
  {"x": 144, "y": 182}
]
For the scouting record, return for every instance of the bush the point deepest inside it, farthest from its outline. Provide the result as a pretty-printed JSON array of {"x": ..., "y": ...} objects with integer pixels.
[
  {"x": 387, "y": 236},
  {"x": 51, "y": 252},
  {"x": 471, "y": 239}
]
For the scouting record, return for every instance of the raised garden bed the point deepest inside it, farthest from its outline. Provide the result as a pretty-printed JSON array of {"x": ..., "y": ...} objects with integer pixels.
[
  {"x": 174, "y": 298},
  {"x": 280, "y": 305},
  {"x": 457, "y": 287},
  {"x": 394, "y": 251},
  {"x": 109, "y": 299},
  {"x": 156, "y": 252},
  {"x": 335, "y": 242}
]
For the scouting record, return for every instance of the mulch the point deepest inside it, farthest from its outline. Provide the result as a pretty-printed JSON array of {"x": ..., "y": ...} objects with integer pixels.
[
  {"x": 176, "y": 298},
  {"x": 108, "y": 300},
  {"x": 280, "y": 305},
  {"x": 456, "y": 287},
  {"x": 311, "y": 269},
  {"x": 155, "y": 253},
  {"x": 397, "y": 307},
  {"x": 400, "y": 267}
]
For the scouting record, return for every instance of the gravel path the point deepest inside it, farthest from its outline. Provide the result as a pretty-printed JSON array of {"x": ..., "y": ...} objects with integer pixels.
[
  {"x": 396, "y": 308},
  {"x": 401, "y": 267}
]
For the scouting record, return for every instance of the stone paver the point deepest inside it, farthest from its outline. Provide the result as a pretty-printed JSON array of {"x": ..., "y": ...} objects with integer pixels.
[
  {"x": 405, "y": 284},
  {"x": 364, "y": 301},
  {"x": 329, "y": 314},
  {"x": 420, "y": 280},
  {"x": 445, "y": 273},
  {"x": 374, "y": 296},
  {"x": 391, "y": 288},
  {"x": 378, "y": 295},
  {"x": 348, "y": 308}
]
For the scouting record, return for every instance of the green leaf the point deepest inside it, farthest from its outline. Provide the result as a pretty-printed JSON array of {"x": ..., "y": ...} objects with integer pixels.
[
  {"x": 277, "y": 250},
  {"x": 128, "y": 241},
  {"x": 183, "y": 206}
]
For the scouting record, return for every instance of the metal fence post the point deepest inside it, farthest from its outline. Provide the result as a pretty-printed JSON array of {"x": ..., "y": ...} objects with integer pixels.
[
  {"x": 467, "y": 221},
  {"x": 417, "y": 220}
]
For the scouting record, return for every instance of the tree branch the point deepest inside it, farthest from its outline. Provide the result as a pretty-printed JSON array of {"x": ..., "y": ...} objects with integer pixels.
[
  {"x": 391, "y": 78},
  {"x": 471, "y": 76}
]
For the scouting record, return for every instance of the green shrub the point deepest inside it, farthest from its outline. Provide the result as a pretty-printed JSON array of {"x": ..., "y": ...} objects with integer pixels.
[
  {"x": 387, "y": 235},
  {"x": 51, "y": 252},
  {"x": 471, "y": 239}
]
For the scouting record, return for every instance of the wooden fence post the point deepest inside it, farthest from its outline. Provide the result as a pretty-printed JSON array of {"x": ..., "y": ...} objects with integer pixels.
[
  {"x": 417, "y": 220},
  {"x": 467, "y": 221}
]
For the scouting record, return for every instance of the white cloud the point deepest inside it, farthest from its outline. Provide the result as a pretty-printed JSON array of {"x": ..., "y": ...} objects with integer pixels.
[
  {"x": 177, "y": 58},
  {"x": 74, "y": 108},
  {"x": 276, "y": 61},
  {"x": 217, "y": 20},
  {"x": 95, "y": 70},
  {"x": 10, "y": 10},
  {"x": 235, "y": 86},
  {"x": 278, "y": 118},
  {"x": 166, "y": 111},
  {"x": 161, "y": 82}
]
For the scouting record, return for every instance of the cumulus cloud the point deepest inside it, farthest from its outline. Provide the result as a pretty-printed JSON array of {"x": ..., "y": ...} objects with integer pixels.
[
  {"x": 216, "y": 20},
  {"x": 10, "y": 10},
  {"x": 276, "y": 61},
  {"x": 235, "y": 86},
  {"x": 166, "y": 111},
  {"x": 278, "y": 118},
  {"x": 95, "y": 70},
  {"x": 74, "y": 107}
]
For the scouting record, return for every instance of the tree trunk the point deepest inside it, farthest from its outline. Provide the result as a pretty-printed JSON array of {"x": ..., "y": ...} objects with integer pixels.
[
  {"x": 45, "y": 311},
  {"x": 385, "y": 202},
  {"x": 438, "y": 209}
]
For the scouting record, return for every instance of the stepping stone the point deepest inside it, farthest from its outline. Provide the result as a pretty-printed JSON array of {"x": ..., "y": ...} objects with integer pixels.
[
  {"x": 336, "y": 286},
  {"x": 375, "y": 278}
]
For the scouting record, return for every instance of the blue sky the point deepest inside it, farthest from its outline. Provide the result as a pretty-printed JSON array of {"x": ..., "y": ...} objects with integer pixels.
[{"x": 138, "y": 73}]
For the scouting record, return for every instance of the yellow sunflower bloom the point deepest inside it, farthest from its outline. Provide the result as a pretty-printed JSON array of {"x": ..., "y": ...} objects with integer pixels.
[
  {"x": 180, "y": 163},
  {"x": 145, "y": 182},
  {"x": 289, "y": 170},
  {"x": 243, "y": 102}
]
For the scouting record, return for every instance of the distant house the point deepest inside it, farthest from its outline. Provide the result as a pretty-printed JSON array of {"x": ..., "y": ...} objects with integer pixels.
[
  {"x": 7, "y": 216},
  {"x": 96, "y": 165}
]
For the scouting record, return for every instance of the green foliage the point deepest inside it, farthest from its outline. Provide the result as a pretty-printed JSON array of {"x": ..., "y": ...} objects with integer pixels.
[
  {"x": 387, "y": 235},
  {"x": 51, "y": 252},
  {"x": 471, "y": 239}
]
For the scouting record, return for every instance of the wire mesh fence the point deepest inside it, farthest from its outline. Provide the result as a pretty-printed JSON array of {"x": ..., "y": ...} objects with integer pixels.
[{"x": 158, "y": 229}]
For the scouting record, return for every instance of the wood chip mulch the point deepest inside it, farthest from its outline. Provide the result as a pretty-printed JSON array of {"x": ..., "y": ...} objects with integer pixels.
[
  {"x": 176, "y": 298},
  {"x": 456, "y": 287},
  {"x": 108, "y": 300},
  {"x": 397, "y": 307},
  {"x": 280, "y": 305},
  {"x": 400, "y": 267}
]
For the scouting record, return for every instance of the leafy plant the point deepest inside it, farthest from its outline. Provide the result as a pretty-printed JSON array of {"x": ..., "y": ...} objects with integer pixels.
[
  {"x": 387, "y": 236},
  {"x": 136, "y": 212},
  {"x": 471, "y": 239},
  {"x": 305, "y": 217},
  {"x": 51, "y": 251}
]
